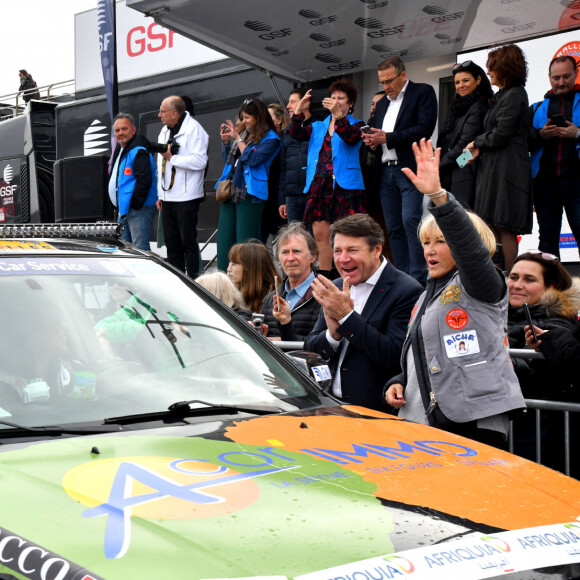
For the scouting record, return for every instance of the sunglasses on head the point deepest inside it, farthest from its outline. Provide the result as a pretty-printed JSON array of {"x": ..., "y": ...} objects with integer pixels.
[
  {"x": 545, "y": 255},
  {"x": 460, "y": 65},
  {"x": 248, "y": 101}
]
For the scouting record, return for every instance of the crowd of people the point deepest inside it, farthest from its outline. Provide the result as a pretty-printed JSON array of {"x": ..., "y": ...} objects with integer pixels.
[{"x": 424, "y": 323}]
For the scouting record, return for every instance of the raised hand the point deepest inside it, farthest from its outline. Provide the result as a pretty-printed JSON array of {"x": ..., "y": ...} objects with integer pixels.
[{"x": 426, "y": 180}]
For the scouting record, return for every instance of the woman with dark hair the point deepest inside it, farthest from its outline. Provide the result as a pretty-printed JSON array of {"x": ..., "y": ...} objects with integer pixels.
[
  {"x": 334, "y": 180},
  {"x": 504, "y": 181},
  {"x": 252, "y": 270},
  {"x": 553, "y": 298},
  {"x": 27, "y": 83},
  {"x": 241, "y": 217},
  {"x": 464, "y": 122}
]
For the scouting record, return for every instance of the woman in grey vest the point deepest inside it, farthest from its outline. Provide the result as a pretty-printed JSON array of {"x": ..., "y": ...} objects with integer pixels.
[{"x": 457, "y": 374}]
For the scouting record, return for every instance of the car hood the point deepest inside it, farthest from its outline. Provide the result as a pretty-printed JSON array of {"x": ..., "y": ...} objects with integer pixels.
[{"x": 285, "y": 495}]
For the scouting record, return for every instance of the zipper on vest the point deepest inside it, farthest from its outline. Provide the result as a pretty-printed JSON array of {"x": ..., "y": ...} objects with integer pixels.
[{"x": 432, "y": 403}]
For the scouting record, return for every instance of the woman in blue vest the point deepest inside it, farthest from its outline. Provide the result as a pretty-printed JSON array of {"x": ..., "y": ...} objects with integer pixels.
[
  {"x": 241, "y": 217},
  {"x": 334, "y": 180}
]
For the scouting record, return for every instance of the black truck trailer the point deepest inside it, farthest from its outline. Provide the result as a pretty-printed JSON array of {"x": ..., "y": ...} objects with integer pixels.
[{"x": 53, "y": 158}]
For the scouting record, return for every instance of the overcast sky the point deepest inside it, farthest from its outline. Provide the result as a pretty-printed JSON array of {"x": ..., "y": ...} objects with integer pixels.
[{"x": 38, "y": 35}]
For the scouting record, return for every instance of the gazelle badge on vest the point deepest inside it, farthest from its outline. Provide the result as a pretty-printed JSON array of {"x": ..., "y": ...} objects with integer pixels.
[{"x": 457, "y": 318}]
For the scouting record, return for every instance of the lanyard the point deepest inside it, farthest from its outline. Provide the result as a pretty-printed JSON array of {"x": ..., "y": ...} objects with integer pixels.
[{"x": 164, "y": 162}]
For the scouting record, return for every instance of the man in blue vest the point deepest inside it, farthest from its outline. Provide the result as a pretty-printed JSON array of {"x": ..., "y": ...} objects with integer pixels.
[
  {"x": 132, "y": 183},
  {"x": 555, "y": 148}
]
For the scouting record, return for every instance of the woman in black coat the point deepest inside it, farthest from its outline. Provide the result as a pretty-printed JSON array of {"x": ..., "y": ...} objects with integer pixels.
[
  {"x": 462, "y": 125},
  {"x": 561, "y": 347},
  {"x": 553, "y": 297},
  {"x": 504, "y": 181}
]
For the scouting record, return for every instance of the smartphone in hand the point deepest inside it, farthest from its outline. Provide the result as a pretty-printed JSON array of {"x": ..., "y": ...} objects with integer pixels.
[
  {"x": 529, "y": 319},
  {"x": 366, "y": 129},
  {"x": 464, "y": 158},
  {"x": 558, "y": 120}
]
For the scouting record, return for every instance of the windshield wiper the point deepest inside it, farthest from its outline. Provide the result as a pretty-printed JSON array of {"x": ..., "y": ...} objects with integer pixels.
[
  {"x": 182, "y": 409},
  {"x": 17, "y": 430}
]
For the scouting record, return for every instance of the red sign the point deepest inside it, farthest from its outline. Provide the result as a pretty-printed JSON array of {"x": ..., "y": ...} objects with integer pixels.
[{"x": 570, "y": 49}]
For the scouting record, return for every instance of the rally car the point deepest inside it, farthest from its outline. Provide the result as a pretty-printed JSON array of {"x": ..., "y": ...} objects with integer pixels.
[{"x": 148, "y": 432}]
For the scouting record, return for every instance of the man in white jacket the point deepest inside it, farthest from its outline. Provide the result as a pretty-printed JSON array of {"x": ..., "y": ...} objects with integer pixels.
[{"x": 180, "y": 178}]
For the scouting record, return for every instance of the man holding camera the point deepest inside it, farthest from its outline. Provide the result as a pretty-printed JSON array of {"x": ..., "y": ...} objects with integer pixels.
[
  {"x": 132, "y": 186},
  {"x": 555, "y": 147},
  {"x": 180, "y": 171}
]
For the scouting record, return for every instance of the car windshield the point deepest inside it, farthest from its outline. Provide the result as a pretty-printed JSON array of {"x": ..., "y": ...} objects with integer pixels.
[{"x": 88, "y": 338}]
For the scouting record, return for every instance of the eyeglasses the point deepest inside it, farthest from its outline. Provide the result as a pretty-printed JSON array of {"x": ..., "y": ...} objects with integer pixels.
[
  {"x": 389, "y": 81},
  {"x": 161, "y": 111},
  {"x": 248, "y": 101},
  {"x": 545, "y": 255},
  {"x": 460, "y": 65}
]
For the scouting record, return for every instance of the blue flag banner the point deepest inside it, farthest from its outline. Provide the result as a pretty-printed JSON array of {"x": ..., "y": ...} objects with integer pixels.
[{"x": 107, "y": 45}]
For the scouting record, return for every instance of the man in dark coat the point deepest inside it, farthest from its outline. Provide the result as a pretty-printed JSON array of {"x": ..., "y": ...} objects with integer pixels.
[
  {"x": 293, "y": 316},
  {"x": 407, "y": 114},
  {"x": 293, "y": 158},
  {"x": 365, "y": 314}
]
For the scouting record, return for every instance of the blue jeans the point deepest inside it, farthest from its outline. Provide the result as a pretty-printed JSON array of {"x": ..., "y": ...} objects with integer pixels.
[
  {"x": 403, "y": 207},
  {"x": 551, "y": 196},
  {"x": 137, "y": 226}
]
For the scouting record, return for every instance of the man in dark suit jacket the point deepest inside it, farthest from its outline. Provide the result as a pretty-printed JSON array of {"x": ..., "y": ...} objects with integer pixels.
[
  {"x": 407, "y": 114},
  {"x": 365, "y": 314}
]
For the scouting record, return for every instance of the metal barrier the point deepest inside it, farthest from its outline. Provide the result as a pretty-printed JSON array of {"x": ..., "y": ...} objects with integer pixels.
[
  {"x": 535, "y": 404},
  {"x": 51, "y": 90},
  {"x": 556, "y": 406}
]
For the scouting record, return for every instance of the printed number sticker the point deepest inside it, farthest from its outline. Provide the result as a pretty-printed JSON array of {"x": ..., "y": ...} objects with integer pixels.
[{"x": 321, "y": 373}]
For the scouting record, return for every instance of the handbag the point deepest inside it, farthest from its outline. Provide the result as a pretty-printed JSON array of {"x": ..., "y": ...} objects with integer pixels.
[{"x": 224, "y": 190}]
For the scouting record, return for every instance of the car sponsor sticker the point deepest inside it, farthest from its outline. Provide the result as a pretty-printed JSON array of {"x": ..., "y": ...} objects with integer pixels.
[
  {"x": 17, "y": 245},
  {"x": 211, "y": 486},
  {"x": 476, "y": 557},
  {"x": 425, "y": 467},
  {"x": 33, "y": 561}
]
